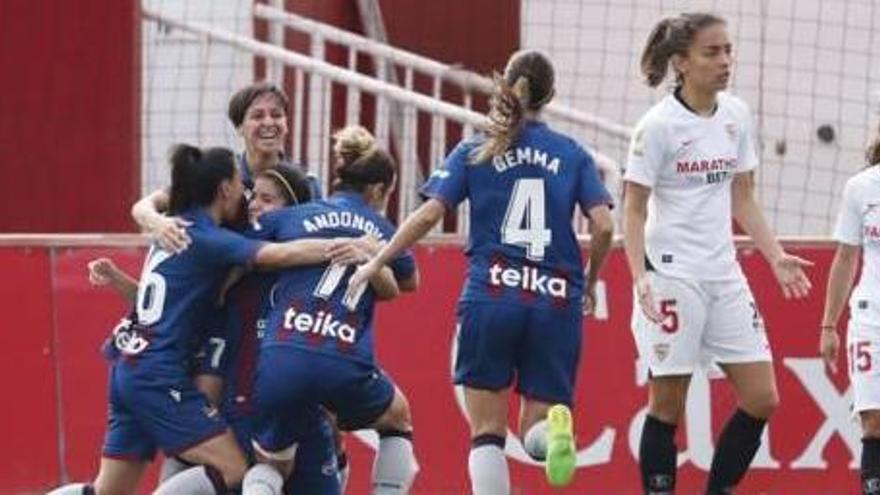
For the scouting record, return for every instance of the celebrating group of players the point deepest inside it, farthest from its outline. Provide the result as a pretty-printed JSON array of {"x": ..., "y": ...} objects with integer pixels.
[{"x": 250, "y": 345}]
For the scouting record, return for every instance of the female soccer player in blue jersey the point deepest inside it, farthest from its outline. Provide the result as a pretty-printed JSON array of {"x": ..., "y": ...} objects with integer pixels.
[
  {"x": 318, "y": 347},
  {"x": 153, "y": 401},
  {"x": 688, "y": 176},
  {"x": 258, "y": 112},
  {"x": 520, "y": 310},
  {"x": 226, "y": 363}
]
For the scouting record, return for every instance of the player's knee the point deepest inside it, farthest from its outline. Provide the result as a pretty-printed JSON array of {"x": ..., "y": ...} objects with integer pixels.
[
  {"x": 397, "y": 416},
  {"x": 870, "y": 424},
  {"x": 762, "y": 404}
]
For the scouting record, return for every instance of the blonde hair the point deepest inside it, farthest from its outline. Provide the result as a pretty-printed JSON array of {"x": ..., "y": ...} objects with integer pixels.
[
  {"x": 353, "y": 142},
  {"x": 360, "y": 162},
  {"x": 527, "y": 85}
]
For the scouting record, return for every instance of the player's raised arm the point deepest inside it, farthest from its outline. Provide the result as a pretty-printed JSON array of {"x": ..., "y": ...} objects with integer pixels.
[
  {"x": 102, "y": 271},
  {"x": 168, "y": 231}
]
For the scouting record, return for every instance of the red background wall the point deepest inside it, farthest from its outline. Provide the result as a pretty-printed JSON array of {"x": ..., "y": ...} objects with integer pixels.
[
  {"x": 58, "y": 322},
  {"x": 69, "y": 126}
]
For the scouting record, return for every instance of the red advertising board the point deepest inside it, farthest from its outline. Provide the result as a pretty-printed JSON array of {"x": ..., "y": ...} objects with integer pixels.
[{"x": 811, "y": 447}]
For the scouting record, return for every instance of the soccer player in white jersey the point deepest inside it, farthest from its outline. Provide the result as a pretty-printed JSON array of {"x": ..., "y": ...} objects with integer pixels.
[
  {"x": 689, "y": 174},
  {"x": 858, "y": 230}
]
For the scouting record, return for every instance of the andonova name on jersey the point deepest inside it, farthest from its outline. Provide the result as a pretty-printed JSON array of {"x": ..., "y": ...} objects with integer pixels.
[{"x": 337, "y": 219}]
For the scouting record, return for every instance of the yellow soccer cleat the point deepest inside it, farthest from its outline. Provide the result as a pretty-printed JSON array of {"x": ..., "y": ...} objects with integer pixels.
[{"x": 561, "y": 451}]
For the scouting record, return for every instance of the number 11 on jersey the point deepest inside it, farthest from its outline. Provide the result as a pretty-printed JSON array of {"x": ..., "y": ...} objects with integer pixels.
[{"x": 525, "y": 221}]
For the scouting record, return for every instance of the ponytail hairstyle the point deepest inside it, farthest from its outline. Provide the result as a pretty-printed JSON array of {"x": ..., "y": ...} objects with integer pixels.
[
  {"x": 196, "y": 175},
  {"x": 672, "y": 36},
  {"x": 292, "y": 182},
  {"x": 527, "y": 85},
  {"x": 872, "y": 154},
  {"x": 359, "y": 161}
]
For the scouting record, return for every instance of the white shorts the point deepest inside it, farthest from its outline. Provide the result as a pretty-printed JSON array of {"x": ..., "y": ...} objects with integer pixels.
[
  {"x": 863, "y": 363},
  {"x": 706, "y": 322}
]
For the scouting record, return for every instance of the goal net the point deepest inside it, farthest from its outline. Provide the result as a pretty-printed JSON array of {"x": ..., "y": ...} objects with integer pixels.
[{"x": 804, "y": 67}]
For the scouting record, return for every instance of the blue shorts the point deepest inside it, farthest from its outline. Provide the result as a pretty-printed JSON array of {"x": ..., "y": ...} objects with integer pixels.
[
  {"x": 541, "y": 345},
  {"x": 150, "y": 411},
  {"x": 292, "y": 383},
  {"x": 315, "y": 468}
]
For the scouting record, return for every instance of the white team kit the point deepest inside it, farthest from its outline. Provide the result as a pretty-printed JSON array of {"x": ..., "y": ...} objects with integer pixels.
[
  {"x": 859, "y": 225},
  {"x": 689, "y": 162}
]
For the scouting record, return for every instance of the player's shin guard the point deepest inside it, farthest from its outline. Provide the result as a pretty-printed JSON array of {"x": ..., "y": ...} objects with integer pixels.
[
  {"x": 561, "y": 460},
  {"x": 395, "y": 466},
  {"x": 199, "y": 480},
  {"x": 262, "y": 479},
  {"x": 657, "y": 457},
  {"x": 74, "y": 489},
  {"x": 487, "y": 466},
  {"x": 736, "y": 448},
  {"x": 870, "y": 466}
]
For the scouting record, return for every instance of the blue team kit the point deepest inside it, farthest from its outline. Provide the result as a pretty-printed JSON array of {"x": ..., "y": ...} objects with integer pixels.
[
  {"x": 318, "y": 349},
  {"x": 522, "y": 296}
]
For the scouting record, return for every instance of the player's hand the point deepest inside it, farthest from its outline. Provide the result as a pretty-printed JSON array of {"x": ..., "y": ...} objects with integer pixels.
[
  {"x": 347, "y": 251},
  {"x": 370, "y": 244},
  {"x": 789, "y": 272},
  {"x": 361, "y": 276},
  {"x": 101, "y": 270},
  {"x": 645, "y": 296},
  {"x": 170, "y": 233},
  {"x": 589, "y": 301},
  {"x": 829, "y": 346}
]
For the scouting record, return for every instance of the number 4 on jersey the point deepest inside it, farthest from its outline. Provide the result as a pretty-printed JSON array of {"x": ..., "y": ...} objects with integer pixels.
[{"x": 525, "y": 220}]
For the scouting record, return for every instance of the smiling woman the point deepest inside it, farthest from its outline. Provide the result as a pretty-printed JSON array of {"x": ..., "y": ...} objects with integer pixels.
[{"x": 259, "y": 114}]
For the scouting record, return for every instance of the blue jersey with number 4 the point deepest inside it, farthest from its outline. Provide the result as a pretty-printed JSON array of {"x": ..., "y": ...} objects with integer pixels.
[
  {"x": 311, "y": 312},
  {"x": 521, "y": 245},
  {"x": 177, "y": 294}
]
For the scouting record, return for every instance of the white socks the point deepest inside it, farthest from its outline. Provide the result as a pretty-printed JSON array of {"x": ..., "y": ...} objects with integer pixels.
[
  {"x": 262, "y": 479},
  {"x": 487, "y": 466},
  {"x": 395, "y": 466},
  {"x": 535, "y": 441}
]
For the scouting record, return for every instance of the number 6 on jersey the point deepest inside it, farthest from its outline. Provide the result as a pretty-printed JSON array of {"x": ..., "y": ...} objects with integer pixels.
[{"x": 525, "y": 221}]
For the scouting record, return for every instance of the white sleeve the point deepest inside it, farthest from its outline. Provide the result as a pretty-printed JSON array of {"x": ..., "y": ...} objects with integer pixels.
[
  {"x": 646, "y": 153},
  {"x": 848, "y": 229},
  {"x": 747, "y": 154}
]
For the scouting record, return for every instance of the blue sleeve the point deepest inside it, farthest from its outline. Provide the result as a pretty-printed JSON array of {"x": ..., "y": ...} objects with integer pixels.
[
  {"x": 449, "y": 183},
  {"x": 591, "y": 191},
  {"x": 403, "y": 266},
  {"x": 225, "y": 247},
  {"x": 267, "y": 226},
  {"x": 213, "y": 355}
]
